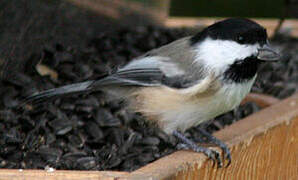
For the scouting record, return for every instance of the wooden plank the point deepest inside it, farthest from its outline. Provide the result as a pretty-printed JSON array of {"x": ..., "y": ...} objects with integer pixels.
[
  {"x": 262, "y": 100},
  {"x": 269, "y": 24},
  {"x": 103, "y": 7},
  {"x": 272, "y": 155},
  {"x": 13, "y": 174},
  {"x": 117, "y": 9}
]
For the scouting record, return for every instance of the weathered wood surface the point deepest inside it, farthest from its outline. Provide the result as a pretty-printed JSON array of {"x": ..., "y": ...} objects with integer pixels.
[
  {"x": 116, "y": 9},
  {"x": 262, "y": 100},
  {"x": 272, "y": 155},
  {"x": 269, "y": 24},
  {"x": 15, "y": 174}
]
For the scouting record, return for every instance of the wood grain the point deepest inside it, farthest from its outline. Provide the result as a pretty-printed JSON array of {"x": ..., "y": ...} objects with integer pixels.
[
  {"x": 14, "y": 174},
  {"x": 261, "y": 99},
  {"x": 272, "y": 155}
]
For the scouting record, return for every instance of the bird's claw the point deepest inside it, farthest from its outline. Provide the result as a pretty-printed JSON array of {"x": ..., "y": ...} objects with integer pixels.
[
  {"x": 226, "y": 154},
  {"x": 225, "y": 149},
  {"x": 210, "y": 153},
  {"x": 228, "y": 157},
  {"x": 215, "y": 157}
]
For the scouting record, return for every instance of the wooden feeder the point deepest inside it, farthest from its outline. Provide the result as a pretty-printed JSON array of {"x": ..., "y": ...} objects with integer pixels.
[{"x": 263, "y": 146}]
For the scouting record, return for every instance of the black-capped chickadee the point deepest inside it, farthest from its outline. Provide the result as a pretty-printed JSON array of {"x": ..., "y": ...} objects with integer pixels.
[{"x": 189, "y": 81}]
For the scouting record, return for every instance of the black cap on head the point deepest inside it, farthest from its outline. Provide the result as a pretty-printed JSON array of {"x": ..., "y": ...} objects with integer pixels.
[{"x": 241, "y": 30}]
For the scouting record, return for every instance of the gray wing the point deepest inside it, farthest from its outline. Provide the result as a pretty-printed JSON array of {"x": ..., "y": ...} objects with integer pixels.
[
  {"x": 131, "y": 77},
  {"x": 170, "y": 65}
]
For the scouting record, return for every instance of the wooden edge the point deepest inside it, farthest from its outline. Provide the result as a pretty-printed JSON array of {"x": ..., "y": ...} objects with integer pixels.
[
  {"x": 269, "y": 155},
  {"x": 50, "y": 174},
  {"x": 261, "y": 99},
  {"x": 239, "y": 132},
  {"x": 115, "y": 8},
  {"x": 269, "y": 23},
  {"x": 260, "y": 122}
]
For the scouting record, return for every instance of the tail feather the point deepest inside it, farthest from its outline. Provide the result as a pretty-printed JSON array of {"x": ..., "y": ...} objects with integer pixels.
[
  {"x": 76, "y": 88},
  {"x": 108, "y": 83}
]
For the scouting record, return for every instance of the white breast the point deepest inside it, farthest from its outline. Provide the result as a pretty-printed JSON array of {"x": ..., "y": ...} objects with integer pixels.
[{"x": 195, "y": 112}]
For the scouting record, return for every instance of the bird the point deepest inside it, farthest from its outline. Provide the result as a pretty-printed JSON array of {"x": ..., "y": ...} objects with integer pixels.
[{"x": 188, "y": 81}]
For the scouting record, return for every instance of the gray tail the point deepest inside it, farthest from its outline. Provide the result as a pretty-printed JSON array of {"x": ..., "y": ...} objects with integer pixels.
[{"x": 76, "y": 88}]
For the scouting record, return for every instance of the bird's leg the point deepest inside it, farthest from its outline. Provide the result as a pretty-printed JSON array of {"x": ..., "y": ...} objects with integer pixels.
[
  {"x": 213, "y": 140},
  {"x": 189, "y": 144}
]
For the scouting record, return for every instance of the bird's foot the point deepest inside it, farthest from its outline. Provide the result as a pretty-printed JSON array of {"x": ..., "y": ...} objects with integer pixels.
[
  {"x": 189, "y": 144},
  {"x": 213, "y": 140}
]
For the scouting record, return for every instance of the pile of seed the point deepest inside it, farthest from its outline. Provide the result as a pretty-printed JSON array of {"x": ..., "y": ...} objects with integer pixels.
[{"x": 91, "y": 132}]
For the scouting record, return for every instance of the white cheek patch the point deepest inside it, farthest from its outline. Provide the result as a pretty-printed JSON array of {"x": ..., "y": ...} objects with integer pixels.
[{"x": 218, "y": 54}]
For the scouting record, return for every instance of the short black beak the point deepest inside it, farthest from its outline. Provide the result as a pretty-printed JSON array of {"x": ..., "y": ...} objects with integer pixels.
[{"x": 266, "y": 53}]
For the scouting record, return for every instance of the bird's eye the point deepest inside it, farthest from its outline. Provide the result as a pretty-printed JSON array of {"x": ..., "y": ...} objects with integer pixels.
[{"x": 240, "y": 39}]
